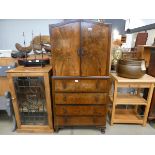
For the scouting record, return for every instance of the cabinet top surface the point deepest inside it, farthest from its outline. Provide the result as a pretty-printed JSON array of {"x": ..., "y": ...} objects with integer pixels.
[
  {"x": 22, "y": 69},
  {"x": 147, "y": 46},
  {"x": 145, "y": 79}
]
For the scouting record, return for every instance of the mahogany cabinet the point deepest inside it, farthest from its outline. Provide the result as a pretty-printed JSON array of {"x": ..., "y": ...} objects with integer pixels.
[{"x": 80, "y": 81}]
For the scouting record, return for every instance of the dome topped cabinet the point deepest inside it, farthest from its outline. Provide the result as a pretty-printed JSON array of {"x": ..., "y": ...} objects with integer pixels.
[{"x": 80, "y": 57}]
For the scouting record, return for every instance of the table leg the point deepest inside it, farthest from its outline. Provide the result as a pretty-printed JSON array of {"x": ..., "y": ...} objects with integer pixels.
[
  {"x": 114, "y": 102},
  {"x": 148, "y": 104}
]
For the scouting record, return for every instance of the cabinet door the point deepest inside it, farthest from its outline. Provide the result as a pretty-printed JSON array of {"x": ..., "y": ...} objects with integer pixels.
[
  {"x": 31, "y": 100},
  {"x": 95, "y": 41},
  {"x": 65, "y": 41}
]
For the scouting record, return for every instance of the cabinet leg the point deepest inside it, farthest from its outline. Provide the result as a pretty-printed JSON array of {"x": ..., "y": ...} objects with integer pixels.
[{"x": 103, "y": 130}]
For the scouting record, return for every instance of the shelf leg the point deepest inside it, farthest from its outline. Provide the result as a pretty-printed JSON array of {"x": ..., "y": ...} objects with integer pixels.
[
  {"x": 148, "y": 104},
  {"x": 114, "y": 101}
]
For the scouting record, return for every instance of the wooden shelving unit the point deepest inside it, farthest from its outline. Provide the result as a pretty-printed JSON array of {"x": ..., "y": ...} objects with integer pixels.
[
  {"x": 128, "y": 99},
  {"x": 127, "y": 116},
  {"x": 130, "y": 115}
]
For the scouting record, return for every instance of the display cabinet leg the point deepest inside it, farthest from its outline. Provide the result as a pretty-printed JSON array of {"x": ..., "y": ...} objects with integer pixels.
[
  {"x": 14, "y": 123},
  {"x": 56, "y": 130}
]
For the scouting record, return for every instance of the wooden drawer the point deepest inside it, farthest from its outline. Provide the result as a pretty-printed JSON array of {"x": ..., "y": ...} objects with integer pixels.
[
  {"x": 81, "y": 85},
  {"x": 80, "y": 110},
  {"x": 80, "y": 121},
  {"x": 81, "y": 98}
]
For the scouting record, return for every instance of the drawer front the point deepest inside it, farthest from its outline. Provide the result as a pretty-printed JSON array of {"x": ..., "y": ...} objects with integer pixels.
[
  {"x": 81, "y": 85},
  {"x": 81, "y": 98},
  {"x": 80, "y": 110},
  {"x": 80, "y": 121}
]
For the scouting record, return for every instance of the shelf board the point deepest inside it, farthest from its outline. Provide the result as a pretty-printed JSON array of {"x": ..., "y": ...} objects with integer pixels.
[
  {"x": 129, "y": 100},
  {"x": 127, "y": 116}
]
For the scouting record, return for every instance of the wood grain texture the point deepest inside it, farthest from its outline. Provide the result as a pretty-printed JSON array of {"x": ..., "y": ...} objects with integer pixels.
[
  {"x": 81, "y": 85},
  {"x": 131, "y": 115},
  {"x": 7, "y": 61},
  {"x": 4, "y": 85},
  {"x": 82, "y": 121},
  {"x": 95, "y": 49},
  {"x": 80, "y": 98},
  {"x": 65, "y": 43},
  {"x": 81, "y": 48},
  {"x": 63, "y": 110}
]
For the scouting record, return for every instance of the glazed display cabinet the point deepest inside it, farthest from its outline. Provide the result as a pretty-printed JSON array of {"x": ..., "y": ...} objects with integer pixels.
[{"x": 30, "y": 90}]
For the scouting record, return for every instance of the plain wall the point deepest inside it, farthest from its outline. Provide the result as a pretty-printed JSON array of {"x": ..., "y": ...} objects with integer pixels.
[
  {"x": 118, "y": 24},
  {"x": 11, "y": 31}
]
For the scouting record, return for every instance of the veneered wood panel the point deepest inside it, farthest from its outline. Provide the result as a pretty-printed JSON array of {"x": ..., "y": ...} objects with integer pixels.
[
  {"x": 65, "y": 41},
  {"x": 95, "y": 40},
  {"x": 63, "y": 110},
  {"x": 82, "y": 121},
  {"x": 80, "y": 98},
  {"x": 81, "y": 85},
  {"x": 7, "y": 61}
]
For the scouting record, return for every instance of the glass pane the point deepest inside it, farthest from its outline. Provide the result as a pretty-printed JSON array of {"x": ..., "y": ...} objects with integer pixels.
[{"x": 30, "y": 92}]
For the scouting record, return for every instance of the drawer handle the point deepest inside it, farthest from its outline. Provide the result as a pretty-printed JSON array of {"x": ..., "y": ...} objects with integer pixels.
[
  {"x": 96, "y": 98},
  {"x": 95, "y": 112},
  {"x": 64, "y": 98},
  {"x": 64, "y": 85},
  {"x": 64, "y": 111},
  {"x": 97, "y": 84}
]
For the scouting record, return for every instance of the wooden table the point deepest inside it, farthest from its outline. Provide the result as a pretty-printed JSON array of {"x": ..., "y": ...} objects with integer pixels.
[
  {"x": 119, "y": 115},
  {"x": 31, "y": 97}
]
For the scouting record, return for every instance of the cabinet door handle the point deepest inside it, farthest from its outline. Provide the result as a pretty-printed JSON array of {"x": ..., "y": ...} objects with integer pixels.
[
  {"x": 82, "y": 52},
  {"x": 78, "y": 51}
]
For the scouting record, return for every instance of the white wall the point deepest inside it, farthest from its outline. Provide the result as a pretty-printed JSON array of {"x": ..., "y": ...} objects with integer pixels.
[
  {"x": 11, "y": 30},
  {"x": 134, "y": 23},
  {"x": 150, "y": 39}
]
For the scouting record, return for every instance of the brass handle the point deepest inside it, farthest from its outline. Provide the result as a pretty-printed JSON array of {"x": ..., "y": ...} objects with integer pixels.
[
  {"x": 96, "y": 112},
  {"x": 64, "y": 98},
  {"x": 97, "y": 84},
  {"x": 78, "y": 51},
  {"x": 82, "y": 52},
  {"x": 96, "y": 99},
  {"x": 64, "y": 84},
  {"x": 64, "y": 111}
]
